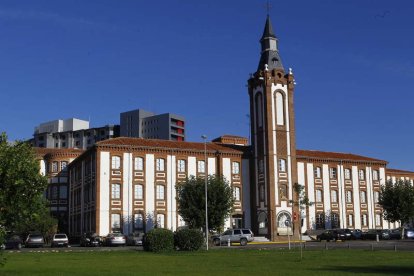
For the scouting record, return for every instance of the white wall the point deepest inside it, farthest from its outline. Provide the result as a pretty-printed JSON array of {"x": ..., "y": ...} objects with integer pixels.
[
  {"x": 149, "y": 189},
  {"x": 246, "y": 193}
]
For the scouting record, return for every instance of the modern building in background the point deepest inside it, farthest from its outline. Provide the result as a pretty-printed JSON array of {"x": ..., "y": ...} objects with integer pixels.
[
  {"x": 143, "y": 124},
  {"x": 71, "y": 133}
]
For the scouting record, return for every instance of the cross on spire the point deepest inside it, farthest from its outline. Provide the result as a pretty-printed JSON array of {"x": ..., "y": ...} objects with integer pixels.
[{"x": 268, "y": 7}]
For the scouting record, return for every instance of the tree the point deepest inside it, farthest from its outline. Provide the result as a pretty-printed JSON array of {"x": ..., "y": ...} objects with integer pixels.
[
  {"x": 191, "y": 201},
  {"x": 302, "y": 202},
  {"x": 397, "y": 201},
  {"x": 22, "y": 205}
]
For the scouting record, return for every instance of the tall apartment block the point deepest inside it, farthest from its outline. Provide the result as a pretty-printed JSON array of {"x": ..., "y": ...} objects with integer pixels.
[
  {"x": 71, "y": 133},
  {"x": 143, "y": 124}
]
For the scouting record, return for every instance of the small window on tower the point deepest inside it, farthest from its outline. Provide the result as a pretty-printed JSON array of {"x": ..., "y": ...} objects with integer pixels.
[{"x": 274, "y": 60}]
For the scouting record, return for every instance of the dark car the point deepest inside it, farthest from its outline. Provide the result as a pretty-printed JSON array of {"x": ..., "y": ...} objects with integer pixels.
[
  {"x": 332, "y": 235},
  {"x": 135, "y": 238},
  {"x": 356, "y": 234},
  {"x": 35, "y": 240},
  {"x": 90, "y": 239},
  {"x": 371, "y": 234},
  {"x": 343, "y": 234},
  {"x": 13, "y": 241},
  {"x": 395, "y": 234}
]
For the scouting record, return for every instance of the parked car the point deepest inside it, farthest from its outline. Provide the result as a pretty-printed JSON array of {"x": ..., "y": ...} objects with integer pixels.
[
  {"x": 12, "y": 241},
  {"x": 242, "y": 236},
  {"x": 371, "y": 234},
  {"x": 356, "y": 234},
  {"x": 327, "y": 235},
  {"x": 395, "y": 234},
  {"x": 90, "y": 239},
  {"x": 343, "y": 234},
  {"x": 60, "y": 240},
  {"x": 35, "y": 240},
  {"x": 135, "y": 238},
  {"x": 114, "y": 239},
  {"x": 409, "y": 233}
]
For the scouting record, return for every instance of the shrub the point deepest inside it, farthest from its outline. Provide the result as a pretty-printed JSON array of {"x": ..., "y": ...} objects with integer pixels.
[
  {"x": 159, "y": 240},
  {"x": 188, "y": 239}
]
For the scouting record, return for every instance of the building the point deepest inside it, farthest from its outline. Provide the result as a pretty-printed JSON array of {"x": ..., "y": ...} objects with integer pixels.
[
  {"x": 143, "y": 124},
  {"x": 53, "y": 164},
  {"x": 127, "y": 184},
  {"x": 71, "y": 133}
]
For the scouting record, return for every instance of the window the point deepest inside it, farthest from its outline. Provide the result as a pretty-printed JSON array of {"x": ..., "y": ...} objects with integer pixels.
[
  {"x": 364, "y": 220},
  {"x": 63, "y": 165},
  {"x": 320, "y": 221},
  {"x": 377, "y": 220},
  {"x": 348, "y": 196},
  {"x": 138, "y": 221},
  {"x": 280, "y": 104},
  {"x": 160, "y": 220},
  {"x": 201, "y": 166},
  {"x": 283, "y": 191},
  {"x": 262, "y": 192},
  {"x": 319, "y": 196},
  {"x": 350, "y": 220},
  {"x": 282, "y": 165},
  {"x": 181, "y": 166},
  {"x": 116, "y": 191},
  {"x": 63, "y": 191},
  {"x": 54, "y": 166},
  {"x": 334, "y": 220},
  {"x": 361, "y": 175},
  {"x": 259, "y": 111},
  {"x": 115, "y": 222},
  {"x": 160, "y": 165},
  {"x": 376, "y": 196},
  {"x": 363, "y": 197},
  {"x": 139, "y": 164},
  {"x": 236, "y": 193},
  {"x": 160, "y": 192},
  {"x": 55, "y": 192},
  {"x": 116, "y": 162},
  {"x": 318, "y": 172},
  {"x": 375, "y": 175},
  {"x": 138, "y": 191},
  {"x": 334, "y": 196},
  {"x": 347, "y": 174},
  {"x": 235, "y": 168},
  {"x": 332, "y": 173}
]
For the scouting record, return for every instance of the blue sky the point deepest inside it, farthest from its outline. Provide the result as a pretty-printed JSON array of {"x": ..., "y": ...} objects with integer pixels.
[{"x": 353, "y": 62}]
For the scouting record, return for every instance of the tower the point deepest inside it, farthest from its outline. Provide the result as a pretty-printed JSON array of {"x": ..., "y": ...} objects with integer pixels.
[{"x": 274, "y": 166}]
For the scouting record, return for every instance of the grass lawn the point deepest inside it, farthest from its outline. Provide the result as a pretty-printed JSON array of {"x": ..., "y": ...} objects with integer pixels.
[{"x": 215, "y": 262}]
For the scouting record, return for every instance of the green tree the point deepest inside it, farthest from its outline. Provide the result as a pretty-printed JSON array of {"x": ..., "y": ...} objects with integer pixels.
[
  {"x": 191, "y": 201},
  {"x": 397, "y": 201},
  {"x": 22, "y": 205}
]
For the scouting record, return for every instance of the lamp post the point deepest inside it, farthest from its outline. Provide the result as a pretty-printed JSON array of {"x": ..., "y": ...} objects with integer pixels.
[{"x": 205, "y": 183}]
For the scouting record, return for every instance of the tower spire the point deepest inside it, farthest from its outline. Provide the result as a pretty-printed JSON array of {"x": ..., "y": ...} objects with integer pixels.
[{"x": 270, "y": 51}]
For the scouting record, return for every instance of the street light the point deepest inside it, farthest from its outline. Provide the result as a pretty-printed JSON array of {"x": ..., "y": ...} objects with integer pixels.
[{"x": 205, "y": 183}]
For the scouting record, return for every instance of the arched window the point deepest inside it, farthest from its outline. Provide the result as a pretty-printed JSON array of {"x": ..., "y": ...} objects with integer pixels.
[
  {"x": 259, "y": 110},
  {"x": 280, "y": 109},
  {"x": 320, "y": 221},
  {"x": 282, "y": 218},
  {"x": 334, "y": 220}
]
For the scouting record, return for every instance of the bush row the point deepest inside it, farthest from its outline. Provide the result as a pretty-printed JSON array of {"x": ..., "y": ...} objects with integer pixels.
[{"x": 164, "y": 240}]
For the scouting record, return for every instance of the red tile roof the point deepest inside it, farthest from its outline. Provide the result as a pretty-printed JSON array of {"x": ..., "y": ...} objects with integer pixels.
[
  {"x": 395, "y": 171},
  {"x": 315, "y": 154},
  {"x": 158, "y": 143},
  {"x": 45, "y": 151}
]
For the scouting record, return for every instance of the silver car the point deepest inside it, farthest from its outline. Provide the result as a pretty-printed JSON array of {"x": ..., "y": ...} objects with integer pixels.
[
  {"x": 60, "y": 240},
  {"x": 114, "y": 239},
  {"x": 35, "y": 240},
  {"x": 242, "y": 236}
]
